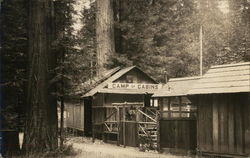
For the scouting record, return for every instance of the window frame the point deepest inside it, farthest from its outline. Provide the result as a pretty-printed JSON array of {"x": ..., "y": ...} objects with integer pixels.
[{"x": 183, "y": 114}]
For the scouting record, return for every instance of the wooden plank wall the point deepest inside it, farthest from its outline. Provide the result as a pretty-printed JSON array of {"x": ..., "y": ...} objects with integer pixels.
[
  {"x": 138, "y": 77},
  {"x": 69, "y": 117},
  {"x": 178, "y": 134},
  {"x": 247, "y": 123},
  {"x": 98, "y": 114},
  {"x": 223, "y": 123},
  {"x": 98, "y": 100},
  {"x": 75, "y": 116},
  {"x": 131, "y": 134},
  {"x": 204, "y": 120}
]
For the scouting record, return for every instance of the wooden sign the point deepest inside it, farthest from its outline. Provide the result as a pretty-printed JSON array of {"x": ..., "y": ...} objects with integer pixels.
[{"x": 134, "y": 86}]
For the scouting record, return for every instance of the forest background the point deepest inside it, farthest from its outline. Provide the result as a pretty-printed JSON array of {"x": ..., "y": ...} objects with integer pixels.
[{"x": 162, "y": 37}]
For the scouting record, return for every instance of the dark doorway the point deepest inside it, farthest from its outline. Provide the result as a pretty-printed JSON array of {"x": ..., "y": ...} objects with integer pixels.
[{"x": 87, "y": 116}]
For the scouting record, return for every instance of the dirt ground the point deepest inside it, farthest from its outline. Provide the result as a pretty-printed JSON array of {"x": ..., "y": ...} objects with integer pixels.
[{"x": 86, "y": 149}]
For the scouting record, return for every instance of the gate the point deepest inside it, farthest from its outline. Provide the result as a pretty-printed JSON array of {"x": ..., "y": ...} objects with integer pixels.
[{"x": 133, "y": 124}]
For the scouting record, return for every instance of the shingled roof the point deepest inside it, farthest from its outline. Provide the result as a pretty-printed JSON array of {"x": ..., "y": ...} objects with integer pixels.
[
  {"x": 91, "y": 83},
  {"x": 176, "y": 87},
  {"x": 100, "y": 88},
  {"x": 231, "y": 78}
]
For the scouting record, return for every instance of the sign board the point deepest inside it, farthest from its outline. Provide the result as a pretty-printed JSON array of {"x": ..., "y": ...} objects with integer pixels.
[{"x": 134, "y": 86}]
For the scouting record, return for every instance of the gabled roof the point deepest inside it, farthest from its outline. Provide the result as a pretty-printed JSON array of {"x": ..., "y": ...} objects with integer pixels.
[
  {"x": 100, "y": 87},
  {"x": 88, "y": 85},
  {"x": 231, "y": 78},
  {"x": 176, "y": 87}
]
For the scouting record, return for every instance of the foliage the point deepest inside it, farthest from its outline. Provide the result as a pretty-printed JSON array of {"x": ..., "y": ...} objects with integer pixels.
[
  {"x": 65, "y": 151},
  {"x": 152, "y": 36},
  {"x": 162, "y": 36},
  {"x": 13, "y": 61},
  {"x": 239, "y": 31},
  {"x": 64, "y": 47},
  {"x": 86, "y": 58},
  {"x": 14, "y": 55},
  {"x": 225, "y": 33}
]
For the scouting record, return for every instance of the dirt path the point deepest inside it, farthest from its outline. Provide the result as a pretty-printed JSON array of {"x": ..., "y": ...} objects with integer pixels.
[{"x": 98, "y": 149}]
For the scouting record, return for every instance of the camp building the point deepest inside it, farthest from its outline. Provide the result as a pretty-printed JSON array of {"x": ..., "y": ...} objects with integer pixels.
[
  {"x": 177, "y": 130},
  {"x": 222, "y": 97},
  {"x": 118, "y": 108}
]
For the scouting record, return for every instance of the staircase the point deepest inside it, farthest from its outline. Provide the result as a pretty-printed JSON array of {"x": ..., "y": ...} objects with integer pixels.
[
  {"x": 145, "y": 117},
  {"x": 148, "y": 129}
]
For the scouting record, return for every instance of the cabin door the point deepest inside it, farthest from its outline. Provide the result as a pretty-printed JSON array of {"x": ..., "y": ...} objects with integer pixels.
[
  {"x": 138, "y": 126},
  {"x": 128, "y": 126},
  {"x": 133, "y": 124},
  {"x": 177, "y": 124}
]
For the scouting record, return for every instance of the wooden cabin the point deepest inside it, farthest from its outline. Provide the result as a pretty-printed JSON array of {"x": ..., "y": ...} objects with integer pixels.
[
  {"x": 117, "y": 107},
  {"x": 223, "y": 106},
  {"x": 78, "y": 116},
  {"x": 177, "y": 131},
  {"x": 74, "y": 115}
]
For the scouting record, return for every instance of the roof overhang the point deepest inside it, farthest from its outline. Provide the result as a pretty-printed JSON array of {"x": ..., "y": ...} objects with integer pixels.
[
  {"x": 231, "y": 78},
  {"x": 126, "y": 91},
  {"x": 177, "y": 87}
]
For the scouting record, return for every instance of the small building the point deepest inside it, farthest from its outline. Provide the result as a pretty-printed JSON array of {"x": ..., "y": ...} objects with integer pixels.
[
  {"x": 78, "y": 116},
  {"x": 177, "y": 131},
  {"x": 222, "y": 97},
  {"x": 116, "y": 108},
  {"x": 74, "y": 114}
]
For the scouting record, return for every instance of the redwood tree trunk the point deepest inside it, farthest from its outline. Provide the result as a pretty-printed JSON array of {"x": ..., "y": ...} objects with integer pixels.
[
  {"x": 41, "y": 112},
  {"x": 104, "y": 33}
]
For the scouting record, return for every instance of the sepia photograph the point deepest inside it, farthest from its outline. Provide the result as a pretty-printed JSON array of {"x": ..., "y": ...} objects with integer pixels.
[{"x": 125, "y": 79}]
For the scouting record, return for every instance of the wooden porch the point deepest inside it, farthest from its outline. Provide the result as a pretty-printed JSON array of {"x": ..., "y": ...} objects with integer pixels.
[{"x": 128, "y": 124}]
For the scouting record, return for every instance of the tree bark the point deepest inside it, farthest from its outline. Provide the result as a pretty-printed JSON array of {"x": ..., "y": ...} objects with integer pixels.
[
  {"x": 104, "y": 33},
  {"x": 41, "y": 111}
]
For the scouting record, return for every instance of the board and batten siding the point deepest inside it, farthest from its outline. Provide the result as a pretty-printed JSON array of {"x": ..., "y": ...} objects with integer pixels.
[
  {"x": 75, "y": 115},
  {"x": 224, "y": 123}
]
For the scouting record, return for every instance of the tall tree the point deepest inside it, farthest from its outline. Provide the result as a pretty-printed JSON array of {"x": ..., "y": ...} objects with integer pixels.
[
  {"x": 239, "y": 31},
  {"x": 63, "y": 47},
  {"x": 165, "y": 34},
  {"x": 13, "y": 71},
  {"x": 87, "y": 43},
  {"x": 41, "y": 112},
  {"x": 104, "y": 33},
  {"x": 155, "y": 34}
]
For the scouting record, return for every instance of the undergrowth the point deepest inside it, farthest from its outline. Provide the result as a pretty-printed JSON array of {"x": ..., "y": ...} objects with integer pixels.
[{"x": 66, "y": 151}]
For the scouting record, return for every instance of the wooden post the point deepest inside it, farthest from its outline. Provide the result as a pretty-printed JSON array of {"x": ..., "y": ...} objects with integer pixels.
[
  {"x": 201, "y": 49},
  {"x": 93, "y": 125},
  {"x": 247, "y": 132},
  {"x": 62, "y": 123},
  {"x": 104, "y": 110},
  {"x": 180, "y": 104},
  {"x": 158, "y": 117},
  {"x": 123, "y": 128},
  {"x": 197, "y": 125},
  {"x": 118, "y": 125},
  {"x": 137, "y": 125},
  {"x": 169, "y": 107}
]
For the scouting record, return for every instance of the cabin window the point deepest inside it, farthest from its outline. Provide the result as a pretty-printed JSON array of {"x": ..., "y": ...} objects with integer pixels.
[
  {"x": 177, "y": 107},
  {"x": 154, "y": 102},
  {"x": 130, "y": 78},
  {"x": 165, "y": 104}
]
